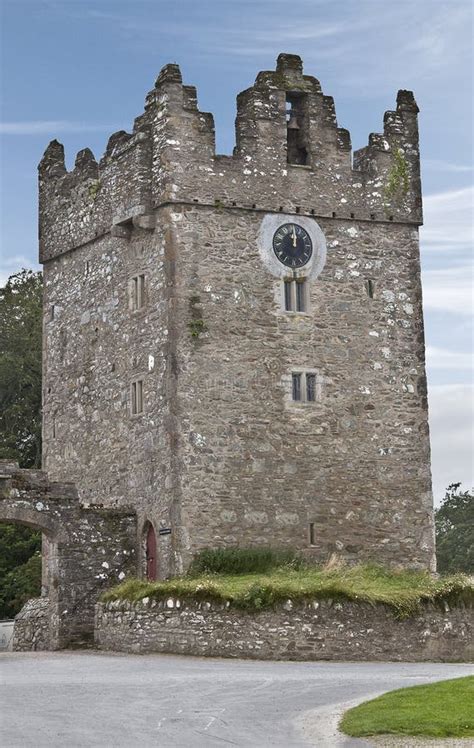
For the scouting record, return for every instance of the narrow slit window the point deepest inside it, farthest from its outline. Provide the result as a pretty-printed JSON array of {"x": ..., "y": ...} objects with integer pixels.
[
  {"x": 311, "y": 533},
  {"x": 296, "y": 386},
  {"x": 370, "y": 288},
  {"x": 311, "y": 388},
  {"x": 137, "y": 292},
  {"x": 52, "y": 311},
  {"x": 300, "y": 296},
  {"x": 295, "y": 295},
  {"x": 137, "y": 397}
]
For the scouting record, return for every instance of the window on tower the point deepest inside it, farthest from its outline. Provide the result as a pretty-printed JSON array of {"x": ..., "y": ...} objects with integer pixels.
[
  {"x": 304, "y": 387},
  {"x": 136, "y": 397},
  {"x": 296, "y": 386},
  {"x": 296, "y": 295},
  {"x": 137, "y": 292},
  {"x": 296, "y": 129}
]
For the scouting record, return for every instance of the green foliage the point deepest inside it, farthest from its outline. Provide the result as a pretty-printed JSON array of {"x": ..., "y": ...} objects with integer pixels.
[
  {"x": 398, "y": 182},
  {"x": 403, "y": 591},
  {"x": 20, "y": 427},
  {"x": 94, "y": 189},
  {"x": 455, "y": 531},
  {"x": 20, "y": 368},
  {"x": 197, "y": 327},
  {"x": 20, "y": 567},
  {"x": 242, "y": 560},
  {"x": 439, "y": 710}
]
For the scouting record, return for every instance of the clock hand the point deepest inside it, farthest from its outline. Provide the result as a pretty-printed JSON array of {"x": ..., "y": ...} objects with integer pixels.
[{"x": 294, "y": 237}]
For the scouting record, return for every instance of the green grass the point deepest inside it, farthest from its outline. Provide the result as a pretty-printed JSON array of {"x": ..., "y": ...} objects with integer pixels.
[
  {"x": 404, "y": 591},
  {"x": 443, "y": 710}
]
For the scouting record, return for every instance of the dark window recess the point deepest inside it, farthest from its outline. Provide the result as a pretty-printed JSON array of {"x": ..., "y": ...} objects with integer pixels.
[
  {"x": 52, "y": 311},
  {"x": 138, "y": 292},
  {"x": 310, "y": 388},
  {"x": 295, "y": 295},
  {"x": 300, "y": 296},
  {"x": 151, "y": 565},
  {"x": 370, "y": 287},
  {"x": 297, "y": 129},
  {"x": 311, "y": 533},
  {"x": 296, "y": 386},
  {"x": 288, "y": 300},
  {"x": 137, "y": 397}
]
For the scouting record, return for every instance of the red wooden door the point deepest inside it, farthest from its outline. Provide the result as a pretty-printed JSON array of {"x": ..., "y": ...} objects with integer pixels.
[{"x": 151, "y": 554}]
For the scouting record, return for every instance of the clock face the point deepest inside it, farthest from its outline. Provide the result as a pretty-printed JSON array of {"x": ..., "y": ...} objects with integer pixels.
[{"x": 292, "y": 245}]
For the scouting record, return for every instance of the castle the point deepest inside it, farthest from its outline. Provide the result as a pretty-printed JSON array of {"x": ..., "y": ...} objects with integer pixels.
[{"x": 233, "y": 345}]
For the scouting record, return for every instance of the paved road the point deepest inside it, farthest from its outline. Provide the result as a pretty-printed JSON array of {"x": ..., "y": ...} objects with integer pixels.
[{"x": 73, "y": 699}]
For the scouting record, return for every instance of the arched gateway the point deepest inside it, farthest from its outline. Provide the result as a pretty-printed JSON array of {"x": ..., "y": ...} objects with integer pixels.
[{"x": 86, "y": 550}]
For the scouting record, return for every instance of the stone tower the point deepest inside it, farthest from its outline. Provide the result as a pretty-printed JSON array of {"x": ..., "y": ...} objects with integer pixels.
[{"x": 234, "y": 344}]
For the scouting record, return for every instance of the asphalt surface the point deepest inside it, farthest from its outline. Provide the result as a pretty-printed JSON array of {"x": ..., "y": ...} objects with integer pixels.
[{"x": 73, "y": 699}]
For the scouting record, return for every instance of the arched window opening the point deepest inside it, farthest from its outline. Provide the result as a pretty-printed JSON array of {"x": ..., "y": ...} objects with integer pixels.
[
  {"x": 297, "y": 129},
  {"x": 150, "y": 553}
]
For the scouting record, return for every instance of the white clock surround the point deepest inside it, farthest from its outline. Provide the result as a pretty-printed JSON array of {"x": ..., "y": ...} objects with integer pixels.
[{"x": 271, "y": 223}]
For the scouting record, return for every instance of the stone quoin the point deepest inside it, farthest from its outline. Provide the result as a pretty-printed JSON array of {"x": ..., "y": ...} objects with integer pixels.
[{"x": 233, "y": 345}]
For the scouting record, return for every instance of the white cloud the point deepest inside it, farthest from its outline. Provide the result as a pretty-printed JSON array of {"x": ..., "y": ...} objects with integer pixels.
[
  {"x": 442, "y": 358},
  {"x": 434, "y": 164},
  {"x": 449, "y": 290},
  {"x": 452, "y": 436},
  {"x": 407, "y": 41},
  {"x": 45, "y": 127},
  {"x": 448, "y": 220}
]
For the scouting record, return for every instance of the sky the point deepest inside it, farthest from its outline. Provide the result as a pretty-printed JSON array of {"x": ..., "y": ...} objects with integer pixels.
[{"x": 78, "y": 70}]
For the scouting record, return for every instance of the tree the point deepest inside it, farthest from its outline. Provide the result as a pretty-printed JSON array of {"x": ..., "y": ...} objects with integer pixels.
[
  {"x": 20, "y": 427},
  {"x": 455, "y": 531},
  {"x": 20, "y": 567},
  {"x": 20, "y": 368}
]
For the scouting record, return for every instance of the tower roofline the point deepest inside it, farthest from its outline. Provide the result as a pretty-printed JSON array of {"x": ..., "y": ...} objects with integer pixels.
[{"x": 170, "y": 154}]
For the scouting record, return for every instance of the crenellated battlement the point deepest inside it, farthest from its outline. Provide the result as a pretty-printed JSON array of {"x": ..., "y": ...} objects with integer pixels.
[{"x": 290, "y": 152}]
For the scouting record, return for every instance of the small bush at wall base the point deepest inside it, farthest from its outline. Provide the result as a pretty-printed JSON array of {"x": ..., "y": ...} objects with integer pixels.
[{"x": 243, "y": 560}]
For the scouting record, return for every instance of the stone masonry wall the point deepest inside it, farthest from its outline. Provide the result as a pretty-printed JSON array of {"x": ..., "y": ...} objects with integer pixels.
[
  {"x": 32, "y": 629},
  {"x": 318, "y": 630},
  {"x": 255, "y": 468}
]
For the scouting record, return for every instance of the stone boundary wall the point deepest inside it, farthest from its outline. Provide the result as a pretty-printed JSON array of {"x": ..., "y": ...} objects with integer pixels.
[
  {"x": 318, "y": 630},
  {"x": 32, "y": 630}
]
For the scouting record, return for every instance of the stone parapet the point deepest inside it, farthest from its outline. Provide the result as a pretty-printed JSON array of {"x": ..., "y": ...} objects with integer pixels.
[{"x": 170, "y": 157}]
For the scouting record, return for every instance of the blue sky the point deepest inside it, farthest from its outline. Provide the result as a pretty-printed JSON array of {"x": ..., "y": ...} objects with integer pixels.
[{"x": 79, "y": 70}]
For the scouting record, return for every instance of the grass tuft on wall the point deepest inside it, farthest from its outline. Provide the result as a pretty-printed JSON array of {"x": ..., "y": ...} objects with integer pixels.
[{"x": 404, "y": 591}]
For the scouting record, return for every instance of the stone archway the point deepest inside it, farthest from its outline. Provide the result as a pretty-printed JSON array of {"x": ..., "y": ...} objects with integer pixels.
[{"x": 89, "y": 549}]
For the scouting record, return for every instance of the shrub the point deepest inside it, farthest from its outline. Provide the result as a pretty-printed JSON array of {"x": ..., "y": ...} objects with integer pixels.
[{"x": 243, "y": 560}]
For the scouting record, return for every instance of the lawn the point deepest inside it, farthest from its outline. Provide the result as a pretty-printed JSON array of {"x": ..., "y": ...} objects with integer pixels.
[
  {"x": 404, "y": 591},
  {"x": 441, "y": 710}
]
